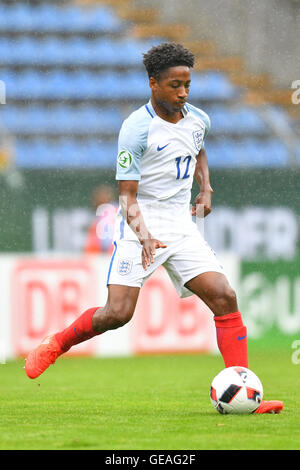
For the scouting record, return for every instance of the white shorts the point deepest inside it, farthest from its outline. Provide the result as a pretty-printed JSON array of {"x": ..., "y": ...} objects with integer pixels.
[{"x": 184, "y": 259}]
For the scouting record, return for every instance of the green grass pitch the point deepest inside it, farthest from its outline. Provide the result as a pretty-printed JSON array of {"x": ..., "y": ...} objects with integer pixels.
[{"x": 151, "y": 402}]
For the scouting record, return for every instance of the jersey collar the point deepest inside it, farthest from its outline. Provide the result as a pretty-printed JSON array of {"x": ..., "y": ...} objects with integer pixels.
[
  {"x": 150, "y": 109},
  {"x": 152, "y": 113}
]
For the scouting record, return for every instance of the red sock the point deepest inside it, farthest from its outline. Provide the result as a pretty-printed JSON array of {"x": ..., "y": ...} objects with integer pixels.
[
  {"x": 232, "y": 339},
  {"x": 80, "y": 330}
]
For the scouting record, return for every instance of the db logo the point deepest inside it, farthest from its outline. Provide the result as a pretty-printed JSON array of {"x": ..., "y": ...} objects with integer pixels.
[{"x": 46, "y": 297}]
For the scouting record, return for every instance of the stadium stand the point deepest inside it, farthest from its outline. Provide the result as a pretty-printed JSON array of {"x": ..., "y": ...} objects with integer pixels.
[
  {"x": 72, "y": 74},
  {"x": 50, "y": 18}
]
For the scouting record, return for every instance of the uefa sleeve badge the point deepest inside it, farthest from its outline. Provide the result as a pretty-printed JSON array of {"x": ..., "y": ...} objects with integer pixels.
[{"x": 125, "y": 159}]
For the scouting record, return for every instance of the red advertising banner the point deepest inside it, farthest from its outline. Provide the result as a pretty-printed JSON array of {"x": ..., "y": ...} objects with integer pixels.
[{"x": 46, "y": 297}]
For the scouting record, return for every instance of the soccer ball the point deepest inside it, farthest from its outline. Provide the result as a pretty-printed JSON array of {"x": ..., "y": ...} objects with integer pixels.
[{"x": 236, "y": 390}]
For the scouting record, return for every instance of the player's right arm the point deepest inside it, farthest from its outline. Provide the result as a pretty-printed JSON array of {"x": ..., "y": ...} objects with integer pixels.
[
  {"x": 132, "y": 143},
  {"x": 133, "y": 215}
]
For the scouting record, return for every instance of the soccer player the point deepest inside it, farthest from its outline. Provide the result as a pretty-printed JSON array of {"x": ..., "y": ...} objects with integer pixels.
[{"x": 161, "y": 150}]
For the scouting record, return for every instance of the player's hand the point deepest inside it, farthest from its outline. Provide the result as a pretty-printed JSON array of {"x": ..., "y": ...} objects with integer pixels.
[
  {"x": 150, "y": 246},
  {"x": 202, "y": 204}
]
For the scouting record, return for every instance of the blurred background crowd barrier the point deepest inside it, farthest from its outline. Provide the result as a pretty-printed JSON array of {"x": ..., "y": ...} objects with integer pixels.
[{"x": 70, "y": 72}]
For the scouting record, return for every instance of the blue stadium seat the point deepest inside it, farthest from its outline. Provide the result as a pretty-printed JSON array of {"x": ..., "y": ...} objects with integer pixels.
[
  {"x": 78, "y": 85},
  {"x": 76, "y": 51},
  {"x": 52, "y": 18},
  {"x": 248, "y": 153},
  {"x": 5, "y": 50},
  {"x": 50, "y": 52},
  {"x": 18, "y": 51},
  {"x": 65, "y": 153},
  {"x": 26, "y": 85},
  {"x": 44, "y": 18},
  {"x": 15, "y": 18},
  {"x": 60, "y": 119},
  {"x": 212, "y": 86},
  {"x": 240, "y": 120}
]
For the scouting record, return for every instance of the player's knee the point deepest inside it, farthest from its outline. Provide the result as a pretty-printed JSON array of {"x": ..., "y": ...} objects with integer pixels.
[
  {"x": 230, "y": 298},
  {"x": 225, "y": 302},
  {"x": 112, "y": 316},
  {"x": 119, "y": 314}
]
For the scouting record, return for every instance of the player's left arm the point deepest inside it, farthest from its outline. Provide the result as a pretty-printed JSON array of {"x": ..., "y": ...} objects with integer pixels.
[{"x": 203, "y": 201}]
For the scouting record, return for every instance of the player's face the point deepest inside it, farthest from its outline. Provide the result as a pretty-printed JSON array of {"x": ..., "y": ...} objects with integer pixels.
[{"x": 171, "y": 90}]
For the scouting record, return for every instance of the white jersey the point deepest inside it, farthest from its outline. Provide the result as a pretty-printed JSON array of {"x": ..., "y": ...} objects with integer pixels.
[{"x": 161, "y": 156}]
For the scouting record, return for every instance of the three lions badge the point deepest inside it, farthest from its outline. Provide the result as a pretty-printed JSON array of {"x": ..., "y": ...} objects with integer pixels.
[
  {"x": 124, "y": 266},
  {"x": 198, "y": 138}
]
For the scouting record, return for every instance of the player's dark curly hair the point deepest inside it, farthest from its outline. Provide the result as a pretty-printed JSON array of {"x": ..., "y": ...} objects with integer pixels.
[{"x": 163, "y": 56}]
